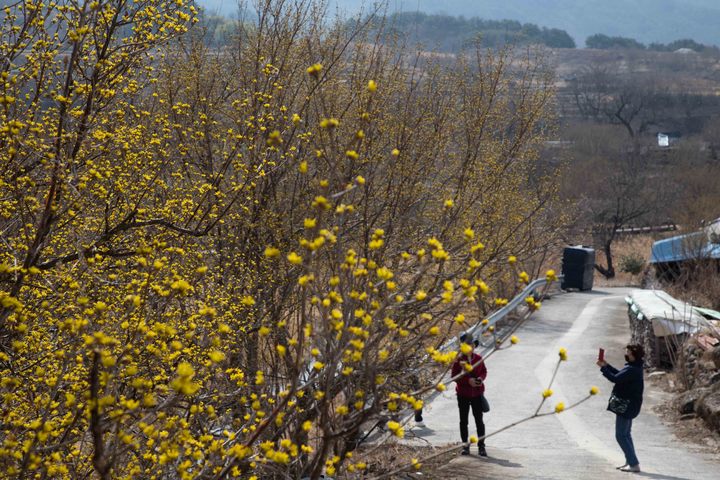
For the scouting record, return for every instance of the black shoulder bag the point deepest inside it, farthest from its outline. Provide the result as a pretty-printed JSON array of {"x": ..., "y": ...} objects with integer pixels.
[
  {"x": 484, "y": 405},
  {"x": 618, "y": 405}
]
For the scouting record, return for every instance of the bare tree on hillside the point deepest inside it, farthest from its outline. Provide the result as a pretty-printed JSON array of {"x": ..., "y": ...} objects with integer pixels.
[
  {"x": 617, "y": 99},
  {"x": 614, "y": 186},
  {"x": 624, "y": 197}
]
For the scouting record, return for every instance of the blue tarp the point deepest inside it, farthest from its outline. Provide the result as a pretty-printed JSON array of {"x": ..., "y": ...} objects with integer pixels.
[{"x": 684, "y": 247}]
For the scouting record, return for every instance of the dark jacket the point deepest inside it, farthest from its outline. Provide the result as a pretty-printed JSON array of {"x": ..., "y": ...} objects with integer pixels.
[
  {"x": 629, "y": 385},
  {"x": 463, "y": 387}
]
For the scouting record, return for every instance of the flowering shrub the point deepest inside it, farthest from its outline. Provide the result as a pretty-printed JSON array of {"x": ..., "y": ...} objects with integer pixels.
[{"x": 223, "y": 262}]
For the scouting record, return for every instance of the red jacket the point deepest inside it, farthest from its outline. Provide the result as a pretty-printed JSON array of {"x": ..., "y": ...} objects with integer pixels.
[{"x": 463, "y": 387}]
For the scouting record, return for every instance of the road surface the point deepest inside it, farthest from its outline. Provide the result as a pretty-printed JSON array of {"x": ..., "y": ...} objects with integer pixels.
[{"x": 576, "y": 444}]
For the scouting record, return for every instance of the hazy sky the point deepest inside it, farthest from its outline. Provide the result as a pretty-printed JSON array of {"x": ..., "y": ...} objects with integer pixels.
[{"x": 645, "y": 20}]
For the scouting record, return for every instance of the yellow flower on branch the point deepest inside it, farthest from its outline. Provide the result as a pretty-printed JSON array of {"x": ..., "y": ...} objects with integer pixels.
[
  {"x": 547, "y": 393},
  {"x": 372, "y": 86},
  {"x": 315, "y": 69},
  {"x": 563, "y": 354},
  {"x": 384, "y": 273},
  {"x": 321, "y": 202},
  {"x": 183, "y": 382},
  {"x": 440, "y": 255},
  {"x": 274, "y": 139},
  {"x": 329, "y": 123},
  {"x": 594, "y": 390},
  {"x": 216, "y": 356},
  {"x": 477, "y": 247},
  {"x": 248, "y": 301},
  {"x": 396, "y": 429},
  {"x": 559, "y": 407},
  {"x": 551, "y": 276},
  {"x": 376, "y": 244},
  {"x": 294, "y": 258}
]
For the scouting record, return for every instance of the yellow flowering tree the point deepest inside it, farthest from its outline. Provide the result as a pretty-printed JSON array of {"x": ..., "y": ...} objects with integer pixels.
[{"x": 224, "y": 261}]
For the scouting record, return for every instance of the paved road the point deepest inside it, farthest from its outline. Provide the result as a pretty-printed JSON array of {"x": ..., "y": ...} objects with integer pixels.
[{"x": 577, "y": 444}]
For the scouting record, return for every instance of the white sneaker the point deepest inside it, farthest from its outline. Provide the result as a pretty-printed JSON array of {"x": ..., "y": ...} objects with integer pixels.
[
  {"x": 420, "y": 424},
  {"x": 631, "y": 468}
]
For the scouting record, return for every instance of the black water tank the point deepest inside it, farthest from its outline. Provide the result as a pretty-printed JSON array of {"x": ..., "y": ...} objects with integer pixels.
[{"x": 578, "y": 267}]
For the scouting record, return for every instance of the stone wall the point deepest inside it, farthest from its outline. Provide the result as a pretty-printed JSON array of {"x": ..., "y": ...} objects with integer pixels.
[
  {"x": 699, "y": 369},
  {"x": 702, "y": 369},
  {"x": 660, "y": 352}
]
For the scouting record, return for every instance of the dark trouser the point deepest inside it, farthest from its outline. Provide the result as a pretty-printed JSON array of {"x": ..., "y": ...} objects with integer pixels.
[
  {"x": 418, "y": 415},
  {"x": 464, "y": 405},
  {"x": 622, "y": 435}
]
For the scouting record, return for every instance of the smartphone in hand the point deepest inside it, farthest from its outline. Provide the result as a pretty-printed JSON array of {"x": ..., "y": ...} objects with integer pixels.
[{"x": 601, "y": 355}]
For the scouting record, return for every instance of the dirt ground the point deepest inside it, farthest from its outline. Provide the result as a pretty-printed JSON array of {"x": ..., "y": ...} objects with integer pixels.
[
  {"x": 687, "y": 428},
  {"x": 394, "y": 455}
]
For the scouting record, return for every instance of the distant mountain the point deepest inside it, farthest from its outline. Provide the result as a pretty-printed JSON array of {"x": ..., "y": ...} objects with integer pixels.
[{"x": 645, "y": 20}]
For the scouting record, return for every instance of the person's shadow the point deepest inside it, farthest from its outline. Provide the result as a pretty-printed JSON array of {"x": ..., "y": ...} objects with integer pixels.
[
  {"x": 660, "y": 476},
  {"x": 499, "y": 461}
]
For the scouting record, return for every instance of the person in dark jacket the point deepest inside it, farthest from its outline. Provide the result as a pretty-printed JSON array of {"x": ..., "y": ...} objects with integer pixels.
[
  {"x": 470, "y": 388},
  {"x": 628, "y": 390}
]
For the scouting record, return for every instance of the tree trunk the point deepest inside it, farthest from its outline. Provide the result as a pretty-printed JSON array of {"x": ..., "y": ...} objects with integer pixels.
[{"x": 609, "y": 271}]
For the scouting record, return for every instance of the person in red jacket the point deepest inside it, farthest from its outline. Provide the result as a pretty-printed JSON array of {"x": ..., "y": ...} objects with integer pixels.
[{"x": 470, "y": 388}]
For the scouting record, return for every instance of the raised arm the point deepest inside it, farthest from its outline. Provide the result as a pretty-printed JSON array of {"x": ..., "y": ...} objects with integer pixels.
[{"x": 616, "y": 376}]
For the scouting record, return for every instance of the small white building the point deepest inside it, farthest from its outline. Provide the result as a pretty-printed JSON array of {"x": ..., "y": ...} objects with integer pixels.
[{"x": 666, "y": 139}]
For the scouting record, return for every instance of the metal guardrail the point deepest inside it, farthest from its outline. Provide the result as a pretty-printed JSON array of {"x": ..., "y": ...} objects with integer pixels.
[{"x": 496, "y": 316}]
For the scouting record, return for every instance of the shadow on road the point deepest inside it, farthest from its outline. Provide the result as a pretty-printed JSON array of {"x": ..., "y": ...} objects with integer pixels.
[
  {"x": 599, "y": 292},
  {"x": 660, "y": 476},
  {"x": 499, "y": 461},
  {"x": 420, "y": 432}
]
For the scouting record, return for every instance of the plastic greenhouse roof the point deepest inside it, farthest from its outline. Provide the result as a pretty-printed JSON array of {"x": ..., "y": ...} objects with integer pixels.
[{"x": 684, "y": 247}]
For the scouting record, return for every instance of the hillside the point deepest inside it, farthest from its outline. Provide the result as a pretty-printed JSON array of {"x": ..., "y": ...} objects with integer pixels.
[{"x": 645, "y": 20}]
